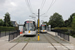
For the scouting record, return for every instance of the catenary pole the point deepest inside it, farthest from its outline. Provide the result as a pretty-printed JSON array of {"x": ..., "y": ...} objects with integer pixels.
[{"x": 38, "y": 24}]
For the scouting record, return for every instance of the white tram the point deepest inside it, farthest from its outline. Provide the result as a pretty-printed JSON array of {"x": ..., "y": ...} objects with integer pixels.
[
  {"x": 43, "y": 28},
  {"x": 30, "y": 27}
]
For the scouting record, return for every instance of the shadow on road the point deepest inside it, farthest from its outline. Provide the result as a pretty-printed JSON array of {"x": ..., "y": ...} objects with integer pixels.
[
  {"x": 43, "y": 33},
  {"x": 29, "y": 35}
]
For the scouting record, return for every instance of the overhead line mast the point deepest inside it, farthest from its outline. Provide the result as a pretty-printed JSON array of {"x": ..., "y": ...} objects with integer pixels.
[{"x": 38, "y": 24}]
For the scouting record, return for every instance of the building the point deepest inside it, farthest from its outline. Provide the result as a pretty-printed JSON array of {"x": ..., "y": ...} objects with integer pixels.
[{"x": 14, "y": 23}]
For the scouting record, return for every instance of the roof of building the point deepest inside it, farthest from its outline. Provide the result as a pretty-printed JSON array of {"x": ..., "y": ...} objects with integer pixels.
[{"x": 13, "y": 23}]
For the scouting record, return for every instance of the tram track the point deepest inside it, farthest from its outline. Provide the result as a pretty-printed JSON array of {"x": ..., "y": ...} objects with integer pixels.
[
  {"x": 47, "y": 37},
  {"x": 50, "y": 42},
  {"x": 18, "y": 43},
  {"x": 57, "y": 41},
  {"x": 13, "y": 46},
  {"x": 25, "y": 44}
]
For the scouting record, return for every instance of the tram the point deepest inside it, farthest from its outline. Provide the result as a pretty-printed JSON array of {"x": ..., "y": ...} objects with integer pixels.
[
  {"x": 43, "y": 28},
  {"x": 30, "y": 27}
]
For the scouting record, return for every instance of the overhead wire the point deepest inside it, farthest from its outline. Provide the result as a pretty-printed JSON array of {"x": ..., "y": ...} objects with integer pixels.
[
  {"x": 30, "y": 7},
  {"x": 53, "y": 1},
  {"x": 42, "y": 5}
]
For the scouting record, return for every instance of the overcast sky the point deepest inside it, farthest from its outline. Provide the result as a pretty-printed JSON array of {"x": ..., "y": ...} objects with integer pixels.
[{"x": 19, "y": 11}]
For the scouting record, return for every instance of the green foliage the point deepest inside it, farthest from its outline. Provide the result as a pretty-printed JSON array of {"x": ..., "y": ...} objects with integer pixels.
[
  {"x": 63, "y": 28},
  {"x": 1, "y": 22},
  {"x": 73, "y": 23},
  {"x": 68, "y": 23},
  {"x": 16, "y": 28},
  {"x": 72, "y": 33},
  {"x": 56, "y": 20},
  {"x": 71, "y": 19},
  {"x": 45, "y": 23},
  {"x": 7, "y": 28},
  {"x": 7, "y": 21}
]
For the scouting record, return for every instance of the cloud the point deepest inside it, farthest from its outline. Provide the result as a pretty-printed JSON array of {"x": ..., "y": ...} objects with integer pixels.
[
  {"x": 19, "y": 10},
  {"x": 2, "y": 1},
  {"x": 13, "y": 4}
]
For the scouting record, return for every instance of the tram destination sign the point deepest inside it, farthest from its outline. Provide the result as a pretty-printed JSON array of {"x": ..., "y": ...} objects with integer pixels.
[{"x": 29, "y": 22}]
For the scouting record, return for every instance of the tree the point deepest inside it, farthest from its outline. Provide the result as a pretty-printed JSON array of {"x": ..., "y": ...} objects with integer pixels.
[
  {"x": 45, "y": 23},
  {"x": 70, "y": 20},
  {"x": 68, "y": 23},
  {"x": 73, "y": 23},
  {"x": 56, "y": 20},
  {"x": 1, "y": 22},
  {"x": 7, "y": 21}
]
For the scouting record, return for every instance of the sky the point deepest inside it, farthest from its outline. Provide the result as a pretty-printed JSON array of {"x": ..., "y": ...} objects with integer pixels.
[{"x": 19, "y": 10}]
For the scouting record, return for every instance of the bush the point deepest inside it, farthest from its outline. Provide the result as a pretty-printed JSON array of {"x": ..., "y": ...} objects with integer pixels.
[
  {"x": 65, "y": 30},
  {"x": 16, "y": 28},
  {"x": 7, "y": 28}
]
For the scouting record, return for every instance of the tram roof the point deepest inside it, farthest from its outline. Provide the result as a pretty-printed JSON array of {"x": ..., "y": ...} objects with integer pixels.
[{"x": 29, "y": 20}]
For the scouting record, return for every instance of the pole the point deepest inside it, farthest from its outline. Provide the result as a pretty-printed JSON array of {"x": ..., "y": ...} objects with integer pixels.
[{"x": 38, "y": 24}]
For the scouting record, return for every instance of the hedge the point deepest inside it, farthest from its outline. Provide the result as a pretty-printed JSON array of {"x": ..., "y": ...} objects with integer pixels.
[
  {"x": 65, "y": 29},
  {"x": 7, "y": 28}
]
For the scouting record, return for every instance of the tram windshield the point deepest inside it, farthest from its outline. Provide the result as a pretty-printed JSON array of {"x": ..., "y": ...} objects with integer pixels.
[
  {"x": 43, "y": 27},
  {"x": 29, "y": 26}
]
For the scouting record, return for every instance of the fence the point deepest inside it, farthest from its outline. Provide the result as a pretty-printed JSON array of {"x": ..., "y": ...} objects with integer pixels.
[
  {"x": 5, "y": 32},
  {"x": 14, "y": 34},
  {"x": 62, "y": 34}
]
